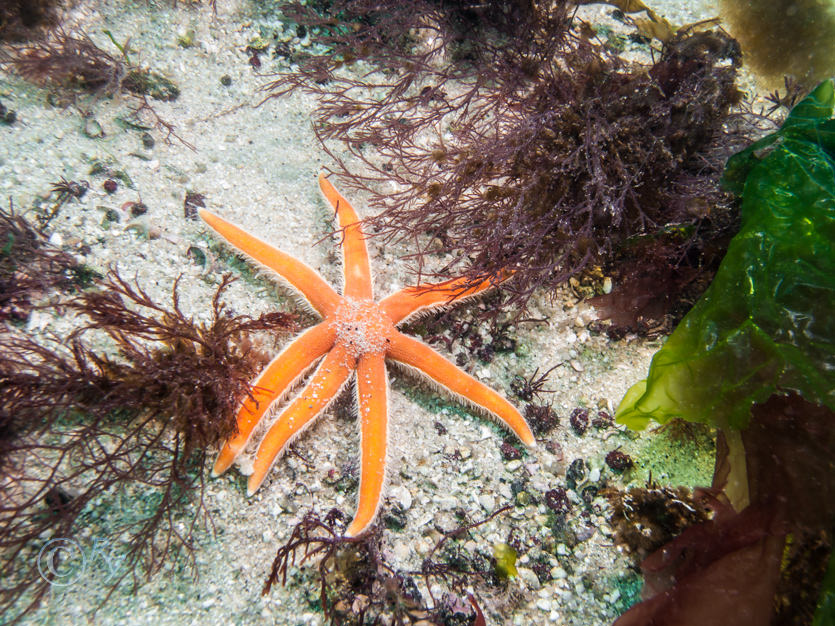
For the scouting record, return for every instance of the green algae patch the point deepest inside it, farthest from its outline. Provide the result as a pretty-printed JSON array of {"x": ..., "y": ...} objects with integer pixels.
[
  {"x": 765, "y": 324},
  {"x": 505, "y": 561},
  {"x": 676, "y": 455},
  {"x": 629, "y": 591}
]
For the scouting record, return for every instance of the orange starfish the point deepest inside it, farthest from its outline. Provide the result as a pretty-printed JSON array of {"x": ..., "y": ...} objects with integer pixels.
[{"x": 359, "y": 334}]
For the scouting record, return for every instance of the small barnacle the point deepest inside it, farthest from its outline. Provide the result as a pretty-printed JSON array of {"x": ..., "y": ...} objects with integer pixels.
[
  {"x": 557, "y": 500},
  {"x": 579, "y": 420},
  {"x": 576, "y": 473},
  {"x": 492, "y": 193},
  {"x": 433, "y": 190},
  {"x": 619, "y": 461},
  {"x": 510, "y": 452},
  {"x": 439, "y": 155}
]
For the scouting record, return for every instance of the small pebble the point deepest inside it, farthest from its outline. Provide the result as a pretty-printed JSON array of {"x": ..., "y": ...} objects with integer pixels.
[
  {"x": 402, "y": 496},
  {"x": 138, "y": 208}
]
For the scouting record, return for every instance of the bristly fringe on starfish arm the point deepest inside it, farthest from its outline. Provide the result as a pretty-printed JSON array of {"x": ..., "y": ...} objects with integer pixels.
[
  {"x": 420, "y": 357},
  {"x": 272, "y": 385},
  {"x": 373, "y": 418},
  {"x": 328, "y": 380},
  {"x": 307, "y": 281},
  {"x": 411, "y": 302}
]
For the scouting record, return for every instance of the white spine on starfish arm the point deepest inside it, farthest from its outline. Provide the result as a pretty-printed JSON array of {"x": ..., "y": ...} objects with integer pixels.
[
  {"x": 442, "y": 307},
  {"x": 246, "y": 457},
  {"x": 292, "y": 291},
  {"x": 306, "y": 426},
  {"x": 439, "y": 386}
]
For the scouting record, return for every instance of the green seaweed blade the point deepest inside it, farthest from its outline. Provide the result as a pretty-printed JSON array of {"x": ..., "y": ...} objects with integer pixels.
[{"x": 767, "y": 322}]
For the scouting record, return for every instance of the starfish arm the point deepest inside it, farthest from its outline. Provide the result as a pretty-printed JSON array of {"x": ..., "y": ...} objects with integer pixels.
[
  {"x": 419, "y": 356},
  {"x": 406, "y": 302},
  {"x": 272, "y": 384},
  {"x": 333, "y": 372},
  {"x": 372, "y": 396},
  {"x": 356, "y": 266},
  {"x": 301, "y": 276}
]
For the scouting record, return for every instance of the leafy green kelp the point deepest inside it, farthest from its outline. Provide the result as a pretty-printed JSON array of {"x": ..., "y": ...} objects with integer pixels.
[
  {"x": 766, "y": 323},
  {"x": 756, "y": 358}
]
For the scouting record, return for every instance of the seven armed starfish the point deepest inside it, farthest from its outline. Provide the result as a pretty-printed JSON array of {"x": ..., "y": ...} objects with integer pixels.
[{"x": 359, "y": 334}]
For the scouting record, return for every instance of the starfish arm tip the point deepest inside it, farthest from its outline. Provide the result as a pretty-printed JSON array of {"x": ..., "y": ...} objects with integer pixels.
[
  {"x": 356, "y": 529},
  {"x": 252, "y": 486},
  {"x": 219, "y": 468}
]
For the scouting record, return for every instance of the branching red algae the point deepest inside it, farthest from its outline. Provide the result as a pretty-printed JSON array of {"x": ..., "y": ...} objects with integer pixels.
[
  {"x": 78, "y": 424},
  {"x": 523, "y": 143}
]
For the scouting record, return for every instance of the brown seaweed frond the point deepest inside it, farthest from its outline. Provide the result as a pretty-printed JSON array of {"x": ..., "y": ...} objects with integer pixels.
[
  {"x": 357, "y": 585},
  {"x": 71, "y": 63},
  {"x": 765, "y": 563},
  {"x": 80, "y": 426},
  {"x": 22, "y": 20},
  {"x": 195, "y": 373},
  {"x": 69, "y": 60},
  {"x": 563, "y": 171},
  {"x": 523, "y": 146},
  {"x": 30, "y": 268}
]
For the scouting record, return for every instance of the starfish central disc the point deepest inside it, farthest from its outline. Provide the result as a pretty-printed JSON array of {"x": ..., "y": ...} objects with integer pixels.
[{"x": 361, "y": 327}]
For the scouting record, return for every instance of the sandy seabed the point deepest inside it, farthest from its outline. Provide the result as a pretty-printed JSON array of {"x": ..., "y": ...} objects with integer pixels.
[{"x": 257, "y": 166}]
